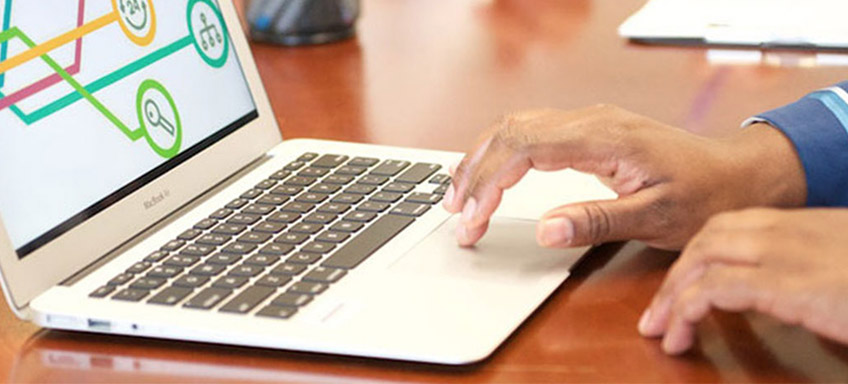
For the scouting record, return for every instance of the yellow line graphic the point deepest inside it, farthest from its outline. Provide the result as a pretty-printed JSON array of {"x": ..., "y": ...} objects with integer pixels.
[{"x": 58, "y": 41}]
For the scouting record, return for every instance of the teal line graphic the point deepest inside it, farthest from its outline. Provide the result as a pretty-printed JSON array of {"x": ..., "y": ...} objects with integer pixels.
[
  {"x": 4, "y": 47},
  {"x": 103, "y": 82}
]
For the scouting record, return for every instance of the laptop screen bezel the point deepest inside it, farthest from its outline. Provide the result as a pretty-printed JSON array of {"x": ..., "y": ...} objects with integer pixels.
[{"x": 25, "y": 278}]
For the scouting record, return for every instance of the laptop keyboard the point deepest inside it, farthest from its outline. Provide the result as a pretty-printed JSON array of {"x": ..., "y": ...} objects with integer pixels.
[{"x": 280, "y": 244}]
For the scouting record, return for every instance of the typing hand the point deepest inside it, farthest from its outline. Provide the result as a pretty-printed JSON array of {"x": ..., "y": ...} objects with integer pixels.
[
  {"x": 669, "y": 181},
  {"x": 788, "y": 264}
]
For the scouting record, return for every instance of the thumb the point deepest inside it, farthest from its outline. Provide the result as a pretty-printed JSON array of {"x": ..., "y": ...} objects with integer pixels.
[{"x": 592, "y": 222}]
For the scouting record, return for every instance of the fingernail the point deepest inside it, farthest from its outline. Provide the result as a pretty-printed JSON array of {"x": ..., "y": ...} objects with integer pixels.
[
  {"x": 469, "y": 211},
  {"x": 449, "y": 197},
  {"x": 643, "y": 322},
  {"x": 557, "y": 231}
]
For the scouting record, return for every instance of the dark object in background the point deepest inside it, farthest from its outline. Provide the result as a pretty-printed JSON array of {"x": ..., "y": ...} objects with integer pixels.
[{"x": 302, "y": 22}]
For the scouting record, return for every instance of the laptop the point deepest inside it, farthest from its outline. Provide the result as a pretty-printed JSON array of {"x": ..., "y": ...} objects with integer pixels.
[{"x": 147, "y": 191}]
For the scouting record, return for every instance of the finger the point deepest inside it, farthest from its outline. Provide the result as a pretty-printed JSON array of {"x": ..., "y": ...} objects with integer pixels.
[
  {"x": 468, "y": 236},
  {"x": 596, "y": 222}
]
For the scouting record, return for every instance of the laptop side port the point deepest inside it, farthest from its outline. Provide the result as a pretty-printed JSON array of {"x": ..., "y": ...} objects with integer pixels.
[{"x": 99, "y": 325}]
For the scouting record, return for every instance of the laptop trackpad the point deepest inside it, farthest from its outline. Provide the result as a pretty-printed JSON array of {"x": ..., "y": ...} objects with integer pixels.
[{"x": 508, "y": 253}]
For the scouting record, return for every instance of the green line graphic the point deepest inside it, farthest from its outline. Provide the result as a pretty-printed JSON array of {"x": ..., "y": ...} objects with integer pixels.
[
  {"x": 4, "y": 46},
  {"x": 132, "y": 134}
]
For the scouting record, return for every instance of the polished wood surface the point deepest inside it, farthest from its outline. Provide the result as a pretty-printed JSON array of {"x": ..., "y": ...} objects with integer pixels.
[{"x": 433, "y": 74}]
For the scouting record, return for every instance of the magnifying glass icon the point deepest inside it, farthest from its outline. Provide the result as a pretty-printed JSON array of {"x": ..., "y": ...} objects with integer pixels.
[{"x": 155, "y": 118}]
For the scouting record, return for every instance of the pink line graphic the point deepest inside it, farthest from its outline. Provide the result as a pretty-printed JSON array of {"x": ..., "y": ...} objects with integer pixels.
[{"x": 53, "y": 79}]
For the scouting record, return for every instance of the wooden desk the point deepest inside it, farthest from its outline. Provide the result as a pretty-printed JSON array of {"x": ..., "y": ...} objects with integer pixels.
[{"x": 433, "y": 74}]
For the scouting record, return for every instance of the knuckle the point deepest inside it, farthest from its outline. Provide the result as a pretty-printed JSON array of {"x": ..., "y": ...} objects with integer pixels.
[{"x": 599, "y": 223}]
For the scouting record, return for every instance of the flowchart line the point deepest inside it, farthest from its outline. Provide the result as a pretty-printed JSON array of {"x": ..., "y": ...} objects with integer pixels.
[
  {"x": 132, "y": 134},
  {"x": 57, "y": 41},
  {"x": 4, "y": 47}
]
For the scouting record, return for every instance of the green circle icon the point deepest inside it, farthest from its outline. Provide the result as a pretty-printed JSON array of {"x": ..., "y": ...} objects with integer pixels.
[
  {"x": 208, "y": 32},
  {"x": 159, "y": 118}
]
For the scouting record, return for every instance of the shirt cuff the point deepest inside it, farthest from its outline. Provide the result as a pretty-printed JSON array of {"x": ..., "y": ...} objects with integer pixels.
[{"x": 817, "y": 125}]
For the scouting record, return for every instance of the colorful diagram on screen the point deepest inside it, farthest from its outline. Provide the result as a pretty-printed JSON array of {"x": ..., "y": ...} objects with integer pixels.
[{"x": 158, "y": 117}]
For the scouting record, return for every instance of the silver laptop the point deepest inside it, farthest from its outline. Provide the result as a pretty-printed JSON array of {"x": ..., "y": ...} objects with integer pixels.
[{"x": 145, "y": 190}]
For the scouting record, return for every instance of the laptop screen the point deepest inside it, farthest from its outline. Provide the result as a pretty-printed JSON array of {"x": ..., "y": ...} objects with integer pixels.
[{"x": 98, "y": 98}]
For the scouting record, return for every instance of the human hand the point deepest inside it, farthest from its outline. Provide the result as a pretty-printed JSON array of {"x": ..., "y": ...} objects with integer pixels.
[
  {"x": 669, "y": 181},
  {"x": 788, "y": 264}
]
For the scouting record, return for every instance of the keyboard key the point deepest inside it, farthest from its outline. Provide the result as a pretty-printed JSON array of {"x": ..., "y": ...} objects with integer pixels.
[
  {"x": 280, "y": 175},
  {"x": 269, "y": 227},
  {"x": 272, "y": 199},
  {"x": 197, "y": 250},
  {"x": 361, "y": 189},
  {"x": 399, "y": 187},
  {"x": 314, "y": 172},
  {"x": 258, "y": 209},
  {"x": 102, "y": 291},
  {"x": 307, "y": 288},
  {"x": 363, "y": 162},
  {"x": 262, "y": 260},
  {"x": 303, "y": 258},
  {"x": 173, "y": 245},
  {"x": 318, "y": 247},
  {"x": 288, "y": 269},
  {"x": 284, "y": 217},
  {"x": 253, "y": 237},
  {"x": 246, "y": 270},
  {"x": 324, "y": 275},
  {"x": 334, "y": 208},
  {"x": 164, "y": 271},
  {"x": 312, "y": 198},
  {"x": 221, "y": 214},
  {"x": 276, "y": 249},
  {"x": 338, "y": 179},
  {"x": 330, "y": 161},
  {"x": 237, "y": 203},
  {"x": 147, "y": 283},
  {"x": 424, "y": 198},
  {"x": 277, "y": 312},
  {"x": 306, "y": 228},
  {"x": 440, "y": 179},
  {"x": 418, "y": 173},
  {"x": 308, "y": 156},
  {"x": 190, "y": 234},
  {"x": 351, "y": 170},
  {"x": 224, "y": 258},
  {"x": 181, "y": 261},
  {"x": 251, "y": 194},
  {"x": 230, "y": 282},
  {"x": 325, "y": 188},
  {"x": 121, "y": 279},
  {"x": 266, "y": 184},
  {"x": 213, "y": 239},
  {"x": 273, "y": 281},
  {"x": 170, "y": 296},
  {"x": 300, "y": 181},
  {"x": 360, "y": 216},
  {"x": 229, "y": 229},
  {"x": 362, "y": 246},
  {"x": 386, "y": 197},
  {"x": 208, "y": 270},
  {"x": 320, "y": 218},
  {"x": 297, "y": 207},
  {"x": 239, "y": 248},
  {"x": 139, "y": 267},
  {"x": 294, "y": 166},
  {"x": 131, "y": 295},
  {"x": 287, "y": 190},
  {"x": 373, "y": 206},
  {"x": 291, "y": 300},
  {"x": 248, "y": 299},
  {"x": 347, "y": 198},
  {"x": 291, "y": 238},
  {"x": 373, "y": 180},
  {"x": 208, "y": 298},
  {"x": 347, "y": 226},
  {"x": 390, "y": 167},
  {"x": 410, "y": 209},
  {"x": 191, "y": 281},
  {"x": 441, "y": 190},
  {"x": 333, "y": 237},
  {"x": 156, "y": 256}
]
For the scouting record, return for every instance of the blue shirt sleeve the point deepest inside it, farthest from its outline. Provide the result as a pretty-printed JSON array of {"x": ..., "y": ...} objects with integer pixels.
[{"x": 818, "y": 127}]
